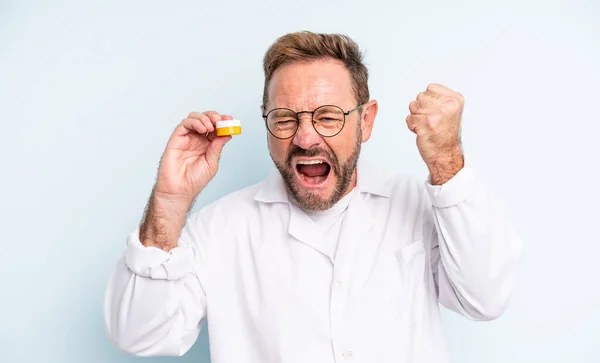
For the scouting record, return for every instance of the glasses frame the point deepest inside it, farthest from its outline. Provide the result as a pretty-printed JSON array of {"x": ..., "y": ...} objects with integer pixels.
[{"x": 312, "y": 113}]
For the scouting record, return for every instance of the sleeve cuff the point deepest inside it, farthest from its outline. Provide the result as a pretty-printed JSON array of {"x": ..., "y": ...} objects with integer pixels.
[
  {"x": 154, "y": 263},
  {"x": 455, "y": 190}
]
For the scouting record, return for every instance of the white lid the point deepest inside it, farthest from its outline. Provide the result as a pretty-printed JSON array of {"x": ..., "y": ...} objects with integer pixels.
[{"x": 228, "y": 123}]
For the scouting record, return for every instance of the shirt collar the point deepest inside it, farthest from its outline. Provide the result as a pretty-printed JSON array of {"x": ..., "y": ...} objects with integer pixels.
[{"x": 369, "y": 181}]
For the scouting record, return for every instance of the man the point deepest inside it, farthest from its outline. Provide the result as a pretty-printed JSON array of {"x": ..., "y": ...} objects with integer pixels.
[{"x": 325, "y": 260}]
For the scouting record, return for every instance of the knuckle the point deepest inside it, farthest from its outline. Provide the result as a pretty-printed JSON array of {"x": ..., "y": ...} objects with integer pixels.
[
  {"x": 203, "y": 117},
  {"x": 211, "y": 114},
  {"x": 454, "y": 101},
  {"x": 188, "y": 122}
]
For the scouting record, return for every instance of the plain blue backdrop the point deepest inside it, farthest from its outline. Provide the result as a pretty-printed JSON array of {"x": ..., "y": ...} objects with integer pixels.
[{"x": 90, "y": 92}]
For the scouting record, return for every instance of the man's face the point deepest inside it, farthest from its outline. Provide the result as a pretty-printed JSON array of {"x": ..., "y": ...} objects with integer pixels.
[{"x": 317, "y": 170}]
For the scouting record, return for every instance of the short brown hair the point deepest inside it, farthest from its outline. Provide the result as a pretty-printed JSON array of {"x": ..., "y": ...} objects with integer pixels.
[{"x": 306, "y": 46}]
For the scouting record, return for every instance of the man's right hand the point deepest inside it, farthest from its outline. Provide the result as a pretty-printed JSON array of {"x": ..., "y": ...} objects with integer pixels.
[
  {"x": 189, "y": 163},
  {"x": 191, "y": 158}
]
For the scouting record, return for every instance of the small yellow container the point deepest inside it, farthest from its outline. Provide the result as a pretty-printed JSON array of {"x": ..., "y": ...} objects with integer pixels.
[{"x": 229, "y": 127}]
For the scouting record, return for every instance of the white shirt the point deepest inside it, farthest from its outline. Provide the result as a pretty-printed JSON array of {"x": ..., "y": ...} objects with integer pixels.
[
  {"x": 327, "y": 225},
  {"x": 252, "y": 266}
]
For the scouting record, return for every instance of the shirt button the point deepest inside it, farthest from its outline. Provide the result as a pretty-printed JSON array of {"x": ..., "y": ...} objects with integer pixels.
[
  {"x": 337, "y": 283},
  {"x": 349, "y": 354}
]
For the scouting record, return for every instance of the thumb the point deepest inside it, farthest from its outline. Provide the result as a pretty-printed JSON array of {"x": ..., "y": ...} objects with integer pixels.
[{"x": 213, "y": 154}]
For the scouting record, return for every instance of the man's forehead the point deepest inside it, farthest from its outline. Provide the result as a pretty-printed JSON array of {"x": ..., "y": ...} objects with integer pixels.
[
  {"x": 307, "y": 97},
  {"x": 310, "y": 84}
]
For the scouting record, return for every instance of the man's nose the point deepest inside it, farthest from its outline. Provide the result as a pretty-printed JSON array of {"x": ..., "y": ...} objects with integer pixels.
[{"x": 306, "y": 136}]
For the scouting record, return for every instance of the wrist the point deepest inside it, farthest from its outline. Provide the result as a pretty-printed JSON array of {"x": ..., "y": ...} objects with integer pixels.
[
  {"x": 163, "y": 220},
  {"x": 445, "y": 166}
]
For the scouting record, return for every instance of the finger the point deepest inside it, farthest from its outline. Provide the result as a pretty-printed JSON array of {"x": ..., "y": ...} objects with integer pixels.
[
  {"x": 201, "y": 119},
  {"x": 438, "y": 88},
  {"x": 206, "y": 118},
  {"x": 195, "y": 114},
  {"x": 192, "y": 125},
  {"x": 421, "y": 107},
  {"x": 211, "y": 136},
  {"x": 445, "y": 91},
  {"x": 435, "y": 101},
  {"x": 413, "y": 121},
  {"x": 214, "y": 116},
  {"x": 213, "y": 154},
  {"x": 226, "y": 117},
  {"x": 429, "y": 96},
  {"x": 206, "y": 121}
]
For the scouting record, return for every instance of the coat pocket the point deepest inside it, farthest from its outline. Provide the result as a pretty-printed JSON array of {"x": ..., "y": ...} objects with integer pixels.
[{"x": 407, "y": 279}]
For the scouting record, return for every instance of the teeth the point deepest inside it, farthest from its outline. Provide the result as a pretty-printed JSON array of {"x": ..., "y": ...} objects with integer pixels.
[{"x": 310, "y": 162}]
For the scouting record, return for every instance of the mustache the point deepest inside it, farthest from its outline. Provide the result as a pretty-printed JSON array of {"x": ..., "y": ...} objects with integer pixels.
[{"x": 311, "y": 153}]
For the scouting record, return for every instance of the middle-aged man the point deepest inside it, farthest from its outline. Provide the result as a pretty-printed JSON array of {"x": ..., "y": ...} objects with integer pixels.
[{"x": 326, "y": 260}]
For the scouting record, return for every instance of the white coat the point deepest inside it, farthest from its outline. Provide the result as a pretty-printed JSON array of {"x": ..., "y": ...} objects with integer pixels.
[{"x": 251, "y": 267}]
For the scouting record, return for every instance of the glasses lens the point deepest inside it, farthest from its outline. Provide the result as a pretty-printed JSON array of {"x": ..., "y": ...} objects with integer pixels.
[
  {"x": 329, "y": 120},
  {"x": 282, "y": 122}
]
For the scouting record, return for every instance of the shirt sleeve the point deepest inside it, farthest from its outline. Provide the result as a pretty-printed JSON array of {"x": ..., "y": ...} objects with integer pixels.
[
  {"x": 475, "y": 251},
  {"x": 155, "y": 302}
]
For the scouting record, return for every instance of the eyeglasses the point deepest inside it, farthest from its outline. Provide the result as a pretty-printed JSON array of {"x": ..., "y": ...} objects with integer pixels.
[{"x": 328, "y": 121}]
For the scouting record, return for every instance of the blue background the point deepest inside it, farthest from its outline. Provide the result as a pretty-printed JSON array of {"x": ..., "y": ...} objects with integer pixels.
[{"x": 90, "y": 92}]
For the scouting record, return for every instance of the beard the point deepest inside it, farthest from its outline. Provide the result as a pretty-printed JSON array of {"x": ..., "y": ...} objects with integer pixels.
[{"x": 342, "y": 173}]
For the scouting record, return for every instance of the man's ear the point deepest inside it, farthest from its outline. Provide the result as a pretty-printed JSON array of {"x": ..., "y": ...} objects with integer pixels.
[{"x": 369, "y": 112}]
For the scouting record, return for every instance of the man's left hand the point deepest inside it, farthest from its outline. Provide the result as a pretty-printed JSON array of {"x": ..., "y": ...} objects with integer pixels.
[{"x": 435, "y": 118}]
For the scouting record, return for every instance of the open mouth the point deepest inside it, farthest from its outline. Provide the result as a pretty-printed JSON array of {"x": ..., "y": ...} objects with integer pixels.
[{"x": 312, "y": 173}]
